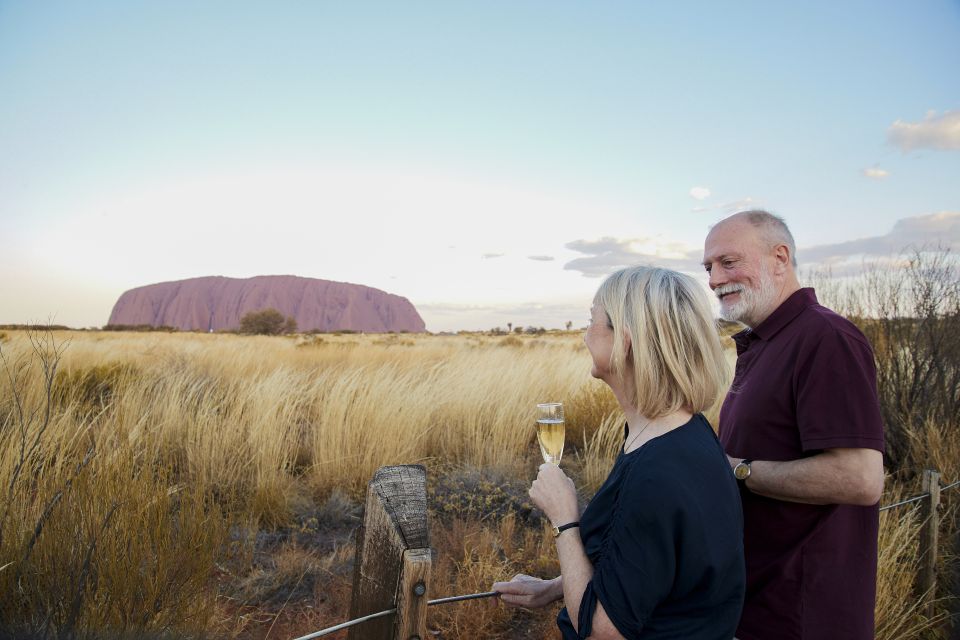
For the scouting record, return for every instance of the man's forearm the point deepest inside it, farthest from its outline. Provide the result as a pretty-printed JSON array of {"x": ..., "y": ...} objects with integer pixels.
[{"x": 836, "y": 476}]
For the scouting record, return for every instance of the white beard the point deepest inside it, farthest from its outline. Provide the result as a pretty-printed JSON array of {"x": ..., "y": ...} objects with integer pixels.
[{"x": 753, "y": 302}]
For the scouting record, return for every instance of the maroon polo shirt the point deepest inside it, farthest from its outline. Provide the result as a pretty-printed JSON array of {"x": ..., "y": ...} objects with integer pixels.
[{"x": 805, "y": 381}]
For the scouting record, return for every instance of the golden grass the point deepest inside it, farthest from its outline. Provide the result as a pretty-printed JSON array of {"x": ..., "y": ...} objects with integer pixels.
[
  {"x": 200, "y": 441},
  {"x": 898, "y": 612}
]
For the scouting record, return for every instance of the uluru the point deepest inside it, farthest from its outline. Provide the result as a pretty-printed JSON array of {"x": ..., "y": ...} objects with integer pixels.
[{"x": 215, "y": 303}]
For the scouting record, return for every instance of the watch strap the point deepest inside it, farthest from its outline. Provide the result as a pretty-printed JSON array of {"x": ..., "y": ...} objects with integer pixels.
[{"x": 558, "y": 530}]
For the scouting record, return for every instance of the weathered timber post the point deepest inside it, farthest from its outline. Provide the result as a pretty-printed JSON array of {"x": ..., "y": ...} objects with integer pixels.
[
  {"x": 926, "y": 584},
  {"x": 392, "y": 566},
  {"x": 412, "y": 595}
]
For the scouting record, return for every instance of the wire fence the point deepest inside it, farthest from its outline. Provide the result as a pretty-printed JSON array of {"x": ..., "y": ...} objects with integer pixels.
[
  {"x": 919, "y": 497},
  {"x": 489, "y": 594}
]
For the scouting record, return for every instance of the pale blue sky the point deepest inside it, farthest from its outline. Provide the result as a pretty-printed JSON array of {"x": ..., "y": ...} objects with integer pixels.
[{"x": 406, "y": 146}]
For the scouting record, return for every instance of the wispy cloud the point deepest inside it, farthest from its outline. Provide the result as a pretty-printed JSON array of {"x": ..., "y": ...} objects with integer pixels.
[
  {"x": 875, "y": 172},
  {"x": 940, "y": 132},
  {"x": 489, "y": 256},
  {"x": 606, "y": 255},
  {"x": 942, "y": 229},
  {"x": 739, "y": 205},
  {"x": 542, "y": 258},
  {"x": 700, "y": 193},
  {"x": 730, "y": 207}
]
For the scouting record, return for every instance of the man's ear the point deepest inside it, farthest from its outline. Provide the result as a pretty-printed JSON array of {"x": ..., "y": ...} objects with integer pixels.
[{"x": 781, "y": 258}]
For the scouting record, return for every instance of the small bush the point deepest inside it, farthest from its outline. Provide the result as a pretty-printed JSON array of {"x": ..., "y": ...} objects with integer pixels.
[{"x": 268, "y": 322}]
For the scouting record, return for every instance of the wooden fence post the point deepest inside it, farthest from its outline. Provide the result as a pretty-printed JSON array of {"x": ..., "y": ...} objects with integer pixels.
[
  {"x": 392, "y": 565},
  {"x": 926, "y": 585},
  {"x": 412, "y": 595}
]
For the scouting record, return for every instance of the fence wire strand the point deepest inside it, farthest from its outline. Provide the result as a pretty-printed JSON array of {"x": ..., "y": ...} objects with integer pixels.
[
  {"x": 350, "y": 623},
  {"x": 907, "y": 501},
  {"x": 919, "y": 497}
]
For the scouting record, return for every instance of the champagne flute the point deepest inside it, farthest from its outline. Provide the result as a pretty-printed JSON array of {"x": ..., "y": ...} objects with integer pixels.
[{"x": 550, "y": 431}]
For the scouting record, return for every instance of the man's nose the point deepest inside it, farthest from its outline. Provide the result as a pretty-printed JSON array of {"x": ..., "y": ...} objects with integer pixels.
[{"x": 715, "y": 279}]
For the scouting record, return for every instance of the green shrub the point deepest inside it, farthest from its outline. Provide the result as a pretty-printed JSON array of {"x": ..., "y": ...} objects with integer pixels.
[{"x": 268, "y": 322}]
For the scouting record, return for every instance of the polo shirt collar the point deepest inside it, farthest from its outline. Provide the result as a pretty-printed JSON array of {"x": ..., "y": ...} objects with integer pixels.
[{"x": 781, "y": 317}]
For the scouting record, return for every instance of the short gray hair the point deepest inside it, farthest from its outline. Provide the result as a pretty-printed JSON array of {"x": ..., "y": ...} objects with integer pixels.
[{"x": 774, "y": 230}]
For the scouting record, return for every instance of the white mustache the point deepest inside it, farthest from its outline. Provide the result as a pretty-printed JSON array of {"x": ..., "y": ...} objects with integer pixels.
[{"x": 723, "y": 290}]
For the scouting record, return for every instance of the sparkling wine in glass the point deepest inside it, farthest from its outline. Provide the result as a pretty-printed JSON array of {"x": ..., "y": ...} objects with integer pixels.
[{"x": 550, "y": 431}]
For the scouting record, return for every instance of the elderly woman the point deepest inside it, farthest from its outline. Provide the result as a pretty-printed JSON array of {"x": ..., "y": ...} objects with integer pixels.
[{"x": 658, "y": 552}]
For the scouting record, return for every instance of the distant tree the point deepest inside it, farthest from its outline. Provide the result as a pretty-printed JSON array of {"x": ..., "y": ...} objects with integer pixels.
[
  {"x": 518, "y": 329},
  {"x": 269, "y": 322},
  {"x": 509, "y": 327},
  {"x": 569, "y": 325}
]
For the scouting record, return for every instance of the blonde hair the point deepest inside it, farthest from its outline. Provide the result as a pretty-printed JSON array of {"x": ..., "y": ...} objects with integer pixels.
[{"x": 674, "y": 349}]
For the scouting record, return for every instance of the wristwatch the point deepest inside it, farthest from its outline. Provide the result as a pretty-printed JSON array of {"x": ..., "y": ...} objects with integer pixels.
[
  {"x": 742, "y": 471},
  {"x": 558, "y": 530}
]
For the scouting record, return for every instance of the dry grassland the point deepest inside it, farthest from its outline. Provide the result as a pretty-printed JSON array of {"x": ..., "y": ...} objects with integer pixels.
[{"x": 192, "y": 485}]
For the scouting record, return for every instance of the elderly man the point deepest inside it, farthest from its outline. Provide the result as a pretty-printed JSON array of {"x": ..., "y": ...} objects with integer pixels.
[{"x": 801, "y": 426}]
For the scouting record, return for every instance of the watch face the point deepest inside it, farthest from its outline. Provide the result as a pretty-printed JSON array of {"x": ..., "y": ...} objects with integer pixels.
[{"x": 741, "y": 471}]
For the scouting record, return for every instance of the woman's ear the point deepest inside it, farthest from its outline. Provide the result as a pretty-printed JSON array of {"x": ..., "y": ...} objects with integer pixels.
[{"x": 627, "y": 341}]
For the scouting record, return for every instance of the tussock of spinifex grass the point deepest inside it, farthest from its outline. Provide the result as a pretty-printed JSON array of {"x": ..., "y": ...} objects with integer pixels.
[
  {"x": 190, "y": 483},
  {"x": 94, "y": 533}
]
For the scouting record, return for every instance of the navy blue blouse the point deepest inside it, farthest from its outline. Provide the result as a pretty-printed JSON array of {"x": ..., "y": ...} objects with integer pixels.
[{"x": 665, "y": 537}]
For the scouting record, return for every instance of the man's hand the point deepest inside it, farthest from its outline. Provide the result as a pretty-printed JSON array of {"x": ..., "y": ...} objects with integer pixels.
[{"x": 529, "y": 592}]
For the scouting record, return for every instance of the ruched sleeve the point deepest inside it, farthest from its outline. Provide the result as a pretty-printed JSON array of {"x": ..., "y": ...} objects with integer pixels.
[{"x": 637, "y": 565}]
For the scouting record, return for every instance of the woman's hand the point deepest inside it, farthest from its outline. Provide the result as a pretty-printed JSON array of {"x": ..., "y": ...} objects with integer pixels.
[
  {"x": 527, "y": 591},
  {"x": 555, "y": 494}
]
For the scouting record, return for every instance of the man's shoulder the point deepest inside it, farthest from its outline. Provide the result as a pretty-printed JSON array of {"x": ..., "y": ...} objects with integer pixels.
[{"x": 818, "y": 322}]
